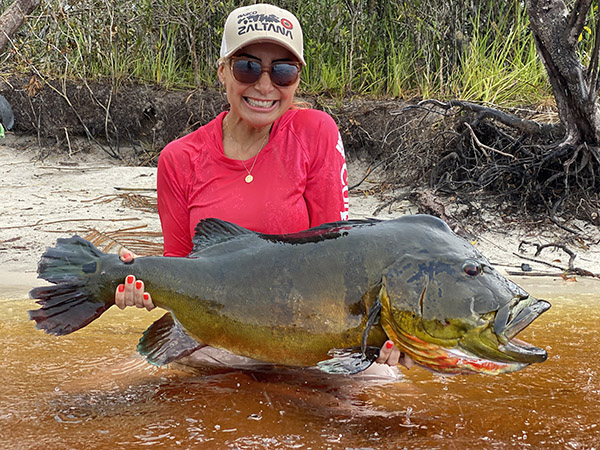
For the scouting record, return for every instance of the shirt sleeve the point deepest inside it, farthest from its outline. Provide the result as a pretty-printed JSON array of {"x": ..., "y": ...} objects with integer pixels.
[
  {"x": 326, "y": 192},
  {"x": 171, "y": 181}
]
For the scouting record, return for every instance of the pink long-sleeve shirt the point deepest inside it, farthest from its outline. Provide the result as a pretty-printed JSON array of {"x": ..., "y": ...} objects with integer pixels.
[{"x": 300, "y": 180}]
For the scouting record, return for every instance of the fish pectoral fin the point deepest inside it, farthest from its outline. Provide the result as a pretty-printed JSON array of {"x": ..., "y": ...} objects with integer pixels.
[
  {"x": 349, "y": 361},
  {"x": 373, "y": 318},
  {"x": 166, "y": 341}
]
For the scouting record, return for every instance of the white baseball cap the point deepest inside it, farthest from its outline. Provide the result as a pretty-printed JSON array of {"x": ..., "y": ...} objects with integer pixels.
[{"x": 262, "y": 23}]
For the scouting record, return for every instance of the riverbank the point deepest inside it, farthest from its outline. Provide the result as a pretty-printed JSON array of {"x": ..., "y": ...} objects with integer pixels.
[{"x": 49, "y": 194}]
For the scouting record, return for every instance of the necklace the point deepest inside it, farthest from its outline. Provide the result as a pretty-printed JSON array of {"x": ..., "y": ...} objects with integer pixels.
[{"x": 249, "y": 178}]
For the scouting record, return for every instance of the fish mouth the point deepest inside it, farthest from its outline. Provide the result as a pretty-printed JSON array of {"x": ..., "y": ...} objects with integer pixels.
[
  {"x": 510, "y": 321},
  {"x": 453, "y": 360},
  {"x": 457, "y": 361},
  {"x": 491, "y": 350}
]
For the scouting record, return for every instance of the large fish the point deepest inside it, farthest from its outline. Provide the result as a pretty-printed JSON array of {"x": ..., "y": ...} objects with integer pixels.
[{"x": 329, "y": 296}]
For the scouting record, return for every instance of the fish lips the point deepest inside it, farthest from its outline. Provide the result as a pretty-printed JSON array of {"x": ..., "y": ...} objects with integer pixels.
[{"x": 514, "y": 318}]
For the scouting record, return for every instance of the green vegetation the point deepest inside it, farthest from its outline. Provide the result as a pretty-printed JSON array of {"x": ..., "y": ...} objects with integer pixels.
[{"x": 473, "y": 50}]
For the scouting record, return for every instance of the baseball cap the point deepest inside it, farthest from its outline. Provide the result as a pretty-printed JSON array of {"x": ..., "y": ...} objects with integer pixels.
[{"x": 262, "y": 23}]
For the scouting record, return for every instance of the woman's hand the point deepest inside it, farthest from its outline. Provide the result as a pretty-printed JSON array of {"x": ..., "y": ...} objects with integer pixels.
[
  {"x": 131, "y": 292},
  {"x": 390, "y": 355}
]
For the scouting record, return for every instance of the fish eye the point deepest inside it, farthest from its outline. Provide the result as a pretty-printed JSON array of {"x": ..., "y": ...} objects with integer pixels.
[{"x": 471, "y": 268}]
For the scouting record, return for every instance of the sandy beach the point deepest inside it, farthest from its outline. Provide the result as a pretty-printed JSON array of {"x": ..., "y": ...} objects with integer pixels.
[{"x": 49, "y": 194}]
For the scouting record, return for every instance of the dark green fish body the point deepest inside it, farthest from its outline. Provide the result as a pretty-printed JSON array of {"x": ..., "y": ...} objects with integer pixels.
[{"x": 290, "y": 299}]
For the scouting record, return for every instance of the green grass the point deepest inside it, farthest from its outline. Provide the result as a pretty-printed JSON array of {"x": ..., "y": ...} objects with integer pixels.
[
  {"x": 381, "y": 48},
  {"x": 500, "y": 65}
]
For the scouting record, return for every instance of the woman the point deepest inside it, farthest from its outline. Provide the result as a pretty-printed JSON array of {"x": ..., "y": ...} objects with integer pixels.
[{"x": 266, "y": 164}]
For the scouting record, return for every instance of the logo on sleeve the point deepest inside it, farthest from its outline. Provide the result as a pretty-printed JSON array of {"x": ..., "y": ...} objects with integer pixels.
[{"x": 343, "y": 179}]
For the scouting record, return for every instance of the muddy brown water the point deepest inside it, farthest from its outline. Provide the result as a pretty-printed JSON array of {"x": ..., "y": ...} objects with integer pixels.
[{"x": 89, "y": 390}]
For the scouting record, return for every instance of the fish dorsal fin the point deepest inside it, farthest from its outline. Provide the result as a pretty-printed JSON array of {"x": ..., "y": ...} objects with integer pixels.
[
  {"x": 331, "y": 230},
  {"x": 211, "y": 232}
]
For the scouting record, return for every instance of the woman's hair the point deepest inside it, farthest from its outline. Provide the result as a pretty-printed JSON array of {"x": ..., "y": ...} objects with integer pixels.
[{"x": 300, "y": 104}]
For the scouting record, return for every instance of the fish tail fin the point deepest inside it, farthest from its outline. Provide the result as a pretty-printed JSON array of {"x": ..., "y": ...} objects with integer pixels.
[{"x": 74, "y": 300}]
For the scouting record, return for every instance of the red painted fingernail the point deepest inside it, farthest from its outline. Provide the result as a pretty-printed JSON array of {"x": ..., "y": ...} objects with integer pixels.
[
  {"x": 126, "y": 255},
  {"x": 121, "y": 287},
  {"x": 389, "y": 344},
  {"x": 130, "y": 279},
  {"x": 146, "y": 296},
  {"x": 138, "y": 284}
]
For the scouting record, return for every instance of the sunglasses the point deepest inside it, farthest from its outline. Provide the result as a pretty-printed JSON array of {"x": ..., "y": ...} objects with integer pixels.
[{"x": 249, "y": 71}]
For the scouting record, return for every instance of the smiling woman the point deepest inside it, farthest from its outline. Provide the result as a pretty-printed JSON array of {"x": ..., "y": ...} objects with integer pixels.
[{"x": 266, "y": 164}]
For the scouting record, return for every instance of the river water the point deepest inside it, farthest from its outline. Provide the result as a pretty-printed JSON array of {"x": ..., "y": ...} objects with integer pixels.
[{"x": 89, "y": 390}]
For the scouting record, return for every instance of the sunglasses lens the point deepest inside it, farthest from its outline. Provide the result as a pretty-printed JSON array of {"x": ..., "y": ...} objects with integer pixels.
[
  {"x": 284, "y": 74},
  {"x": 246, "y": 71}
]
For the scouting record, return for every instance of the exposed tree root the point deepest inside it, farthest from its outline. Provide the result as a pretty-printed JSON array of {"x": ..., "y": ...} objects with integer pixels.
[
  {"x": 483, "y": 112},
  {"x": 515, "y": 162}
]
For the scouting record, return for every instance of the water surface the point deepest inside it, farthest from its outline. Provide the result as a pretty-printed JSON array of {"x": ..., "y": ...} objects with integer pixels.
[{"x": 89, "y": 390}]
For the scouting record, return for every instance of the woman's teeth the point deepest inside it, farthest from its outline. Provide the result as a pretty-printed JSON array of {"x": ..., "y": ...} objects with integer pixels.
[{"x": 260, "y": 103}]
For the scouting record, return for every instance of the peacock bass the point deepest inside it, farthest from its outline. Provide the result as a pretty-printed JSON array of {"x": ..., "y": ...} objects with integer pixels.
[{"x": 328, "y": 296}]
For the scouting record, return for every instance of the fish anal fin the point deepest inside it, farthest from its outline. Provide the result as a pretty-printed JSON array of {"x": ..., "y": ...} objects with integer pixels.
[
  {"x": 166, "y": 341},
  {"x": 349, "y": 361}
]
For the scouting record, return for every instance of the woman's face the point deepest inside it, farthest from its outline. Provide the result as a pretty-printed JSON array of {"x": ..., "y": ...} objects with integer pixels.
[{"x": 263, "y": 102}]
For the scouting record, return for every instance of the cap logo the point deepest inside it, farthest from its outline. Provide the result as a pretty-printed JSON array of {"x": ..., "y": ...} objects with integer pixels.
[{"x": 254, "y": 21}]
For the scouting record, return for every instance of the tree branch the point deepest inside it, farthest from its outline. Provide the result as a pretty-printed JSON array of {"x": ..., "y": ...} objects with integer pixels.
[
  {"x": 13, "y": 17},
  {"x": 526, "y": 126},
  {"x": 593, "y": 67},
  {"x": 577, "y": 19}
]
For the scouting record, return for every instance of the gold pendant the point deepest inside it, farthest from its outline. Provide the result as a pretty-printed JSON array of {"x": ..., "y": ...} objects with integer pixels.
[{"x": 249, "y": 178}]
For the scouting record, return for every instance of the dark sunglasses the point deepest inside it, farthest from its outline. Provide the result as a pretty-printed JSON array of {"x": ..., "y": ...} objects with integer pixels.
[{"x": 248, "y": 71}]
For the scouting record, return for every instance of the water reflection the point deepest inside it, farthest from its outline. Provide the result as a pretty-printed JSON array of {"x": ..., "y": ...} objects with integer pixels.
[{"x": 88, "y": 389}]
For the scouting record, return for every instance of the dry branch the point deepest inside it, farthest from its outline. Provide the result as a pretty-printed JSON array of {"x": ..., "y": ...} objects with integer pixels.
[
  {"x": 569, "y": 270},
  {"x": 41, "y": 222},
  {"x": 525, "y": 126},
  {"x": 139, "y": 242}
]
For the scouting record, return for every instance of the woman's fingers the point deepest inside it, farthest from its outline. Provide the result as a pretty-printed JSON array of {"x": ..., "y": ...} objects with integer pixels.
[
  {"x": 147, "y": 301},
  {"x": 131, "y": 293},
  {"x": 129, "y": 290},
  {"x": 142, "y": 299},
  {"x": 126, "y": 255},
  {"x": 392, "y": 356},
  {"x": 406, "y": 361},
  {"x": 389, "y": 354},
  {"x": 125, "y": 293},
  {"x": 120, "y": 296}
]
